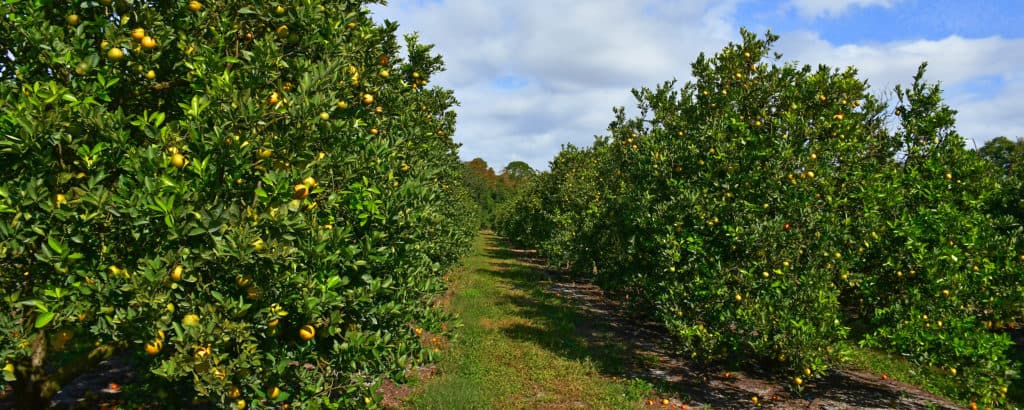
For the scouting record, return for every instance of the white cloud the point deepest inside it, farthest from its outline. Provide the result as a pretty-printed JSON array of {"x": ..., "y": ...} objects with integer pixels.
[
  {"x": 579, "y": 59},
  {"x": 833, "y": 8},
  {"x": 573, "y": 61}
]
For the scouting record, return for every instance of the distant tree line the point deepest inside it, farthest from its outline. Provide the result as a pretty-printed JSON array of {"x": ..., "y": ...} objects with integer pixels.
[{"x": 489, "y": 188}]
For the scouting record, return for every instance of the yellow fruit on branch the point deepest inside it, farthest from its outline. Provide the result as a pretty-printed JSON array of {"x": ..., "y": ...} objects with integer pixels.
[
  {"x": 115, "y": 53},
  {"x": 73, "y": 20},
  {"x": 177, "y": 160},
  {"x": 190, "y": 320},
  {"x": 306, "y": 332},
  {"x": 309, "y": 181},
  {"x": 273, "y": 392},
  {"x": 154, "y": 347},
  {"x": 367, "y": 99},
  {"x": 243, "y": 280},
  {"x": 195, "y": 5},
  {"x": 138, "y": 33},
  {"x": 177, "y": 273},
  {"x": 301, "y": 191},
  {"x": 148, "y": 42}
]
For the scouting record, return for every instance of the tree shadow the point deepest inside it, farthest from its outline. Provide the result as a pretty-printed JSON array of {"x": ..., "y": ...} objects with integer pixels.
[{"x": 572, "y": 317}]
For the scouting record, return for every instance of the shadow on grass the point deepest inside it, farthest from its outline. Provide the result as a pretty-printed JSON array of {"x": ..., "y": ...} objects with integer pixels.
[{"x": 590, "y": 328}]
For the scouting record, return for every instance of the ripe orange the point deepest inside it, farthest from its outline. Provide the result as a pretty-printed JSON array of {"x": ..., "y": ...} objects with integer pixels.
[
  {"x": 151, "y": 75},
  {"x": 309, "y": 181},
  {"x": 301, "y": 191},
  {"x": 798, "y": 381},
  {"x": 154, "y": 347},
  {"x": 195, "y": 5},
  {"x": 148, "y": 42},
  {"x": 307, "y": 332},
  {"x": 273, "y": 392},
  {"x": 234, "y": 392},
  {"x": 342, "y": 105},
  {"x": 177, "y": 272},
  {"x": 177, "y": 160},
  {"x": 240, "y": 405},
  {"x": 274, "y": 98},
  {"x": 138, "y": 33},
  {"x": 73, "y": 20},
  {"x": 374, "y": 131},
  {"x": 324, "y": 116},
  {"x": 115, "y": 53},
  {"x": 367, "y": 99}
]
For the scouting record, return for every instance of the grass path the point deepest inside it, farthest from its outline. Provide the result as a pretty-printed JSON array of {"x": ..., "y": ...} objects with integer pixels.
[
  {"x": 538, "y": 340},
  {"x": 517, "y": 347}
]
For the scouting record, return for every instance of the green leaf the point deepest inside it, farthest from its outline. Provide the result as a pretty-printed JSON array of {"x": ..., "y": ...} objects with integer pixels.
[{"x": 43, "y": 319}]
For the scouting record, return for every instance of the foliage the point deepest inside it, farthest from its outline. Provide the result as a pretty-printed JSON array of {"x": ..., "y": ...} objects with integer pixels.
[
  {"x": 261, "y": 196},
  {"x": 776, "y": 210},
  {"x": 490, "y": 190}
]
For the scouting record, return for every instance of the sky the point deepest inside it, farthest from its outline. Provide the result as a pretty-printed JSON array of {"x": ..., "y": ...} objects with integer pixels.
[{"x": 532, "y": 75}]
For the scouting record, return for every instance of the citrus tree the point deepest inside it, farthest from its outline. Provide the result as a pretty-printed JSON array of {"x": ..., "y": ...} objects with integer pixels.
[
  {"x": 780, "y": 212},
  {"x": 257, "y": 199}
]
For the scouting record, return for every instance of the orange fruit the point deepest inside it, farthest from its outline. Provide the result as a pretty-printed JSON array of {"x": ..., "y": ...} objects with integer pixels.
[
  {"x": 115, "y": 53},
  {"x": 273, "y": 392},
  {"x": 301, "y": 191},
  {"x": 154, "y": 347},
  {"x": 151, "y": 75},
  {"x": 177, "y": 160},
  {"x": 195, "y": 5},
  {"x": 148, "y": 42},
  {"x": 367, "y": 99},
  {"x": 307, "y": 332},
  {"x": 73, "y": 20},
  {"x": 177, "y": 272},
  {"x": 138, "y": 33}
]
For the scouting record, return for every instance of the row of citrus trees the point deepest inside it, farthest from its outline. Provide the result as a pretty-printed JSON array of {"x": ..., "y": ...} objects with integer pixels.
[
  {"x": 782, "y": 211},
  {"x": 256, "y": 200}
]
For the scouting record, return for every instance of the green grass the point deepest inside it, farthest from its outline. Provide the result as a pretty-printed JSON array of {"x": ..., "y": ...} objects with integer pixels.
[{"x": 518, "y": 347}]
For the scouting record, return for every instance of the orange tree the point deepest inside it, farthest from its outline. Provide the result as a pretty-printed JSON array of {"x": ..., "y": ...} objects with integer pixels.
[
  {"x": 256, "y": 198},
  {"x": 778, "y": 210}
]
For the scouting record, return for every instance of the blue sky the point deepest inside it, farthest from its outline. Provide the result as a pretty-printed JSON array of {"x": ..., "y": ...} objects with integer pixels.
[{"x": 535, "y": 74}]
